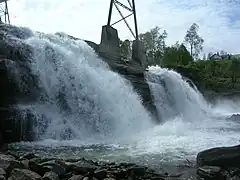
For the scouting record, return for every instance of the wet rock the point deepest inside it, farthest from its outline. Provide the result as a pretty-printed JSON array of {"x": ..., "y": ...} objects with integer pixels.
[
  {"x": 157, "y": 178},
  {"x": 120, "y": 174},
  {"x": 42, "y": 166},
  {"x": 24, "y": 174},
  {"x": 137, "y": 171},
  {"x": 55, "y": 166},
  {"x": 50, "y": 176},
  {"x": 29, "y": 156},
  {"x": 109, "y": 179},
  {"x": 2, "y": 172},
  {"x": 210, "y": 172},
  {"x": 5, "y": 160},
  {"x": 25, "y": 163},
  {"x": 34, "y": 166},
  {"x": 100, "y": 174},
  {"x": 234, "y": 117},
  {"x": 77, "y": 177},
  {"x": 220, "y": 156},
  {"x": 82, "y": 167}
]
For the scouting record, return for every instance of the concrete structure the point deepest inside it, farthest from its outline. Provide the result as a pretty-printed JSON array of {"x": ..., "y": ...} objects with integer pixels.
[
  {"x": 138, "y": 53},
  {"x": 109, "y": 47}
]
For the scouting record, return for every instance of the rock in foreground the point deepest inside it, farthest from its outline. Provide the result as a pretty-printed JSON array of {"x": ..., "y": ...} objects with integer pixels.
[
  {"x": 32, "y": 167},
  {"x": 221, "y": 163}
]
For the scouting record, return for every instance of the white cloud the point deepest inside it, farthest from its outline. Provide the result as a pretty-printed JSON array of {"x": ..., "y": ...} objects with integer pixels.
[{"x": 84, "y": 19}]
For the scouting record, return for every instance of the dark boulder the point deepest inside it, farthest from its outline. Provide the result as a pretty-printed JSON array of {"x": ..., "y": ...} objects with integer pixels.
[
  {"x": 24, "y": 174},
  {"x": 224, "y": 157},
  {"x": 210, "y": 172},
  {"x": 50, "y": 176},
  {"x": 234, "y": 117}
]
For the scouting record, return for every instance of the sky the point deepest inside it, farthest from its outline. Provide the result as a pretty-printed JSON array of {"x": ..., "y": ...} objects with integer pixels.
[{"x": 219, "y": 20}]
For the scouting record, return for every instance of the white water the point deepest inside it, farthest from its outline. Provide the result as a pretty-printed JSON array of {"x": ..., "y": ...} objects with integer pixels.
[
  {"x": 175, "y": 97},
  {"x": 81, "y": 97},
  {"x": 103, "y": 117}
]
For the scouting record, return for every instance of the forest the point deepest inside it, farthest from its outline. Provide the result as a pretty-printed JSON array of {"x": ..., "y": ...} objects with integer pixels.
[{"x": 216, "y": 71}]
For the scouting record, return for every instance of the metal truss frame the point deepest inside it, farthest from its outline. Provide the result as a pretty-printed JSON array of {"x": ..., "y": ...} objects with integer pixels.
[{"x": 131, "y": 8}]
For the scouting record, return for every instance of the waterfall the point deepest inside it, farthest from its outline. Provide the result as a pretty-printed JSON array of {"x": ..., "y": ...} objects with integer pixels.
[
  {"x": 173, "y": 96},
  {"x": 79, "y": 96}
]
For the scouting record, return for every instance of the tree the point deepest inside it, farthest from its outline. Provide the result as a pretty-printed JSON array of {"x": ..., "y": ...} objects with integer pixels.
[
  {"x": 209, "y": 55},
  {"x": 194, "y": 40},
  {"x": 184, "y": 55},
  {"x": 204, "y": 57},
  {"x": 154, "y": 43},
  {"x": 223, "y": 53},
  {"x": 176, "y": 55}
]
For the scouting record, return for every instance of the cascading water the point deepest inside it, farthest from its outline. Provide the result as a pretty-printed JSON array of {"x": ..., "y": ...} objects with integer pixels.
[
  {"x": 80, "y": 97},
  {"x": 93, "y": 111},
  {"x": 175, "y": 97}
]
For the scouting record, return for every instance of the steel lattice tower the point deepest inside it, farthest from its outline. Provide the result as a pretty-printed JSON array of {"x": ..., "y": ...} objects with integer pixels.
[
  {"x": 4, "y": 14},
  {"x": 132, "y": 10}
]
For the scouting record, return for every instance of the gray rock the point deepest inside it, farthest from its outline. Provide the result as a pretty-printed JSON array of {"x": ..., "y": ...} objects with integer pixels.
[
  {"x": 34, "y": 166},
  {"x": 43, "y": 167},
  {"x": 5, "y": 160},
  {"x": 109, "y": 179},
  {"x": 24, "y": 174},
  {"x": 234, "y": 117},
  {"x": 100, "y": 174},
  {"x": 2, "y": 172},
  {"x": 137, "y": 171},
  {"x": 234, "y": 178},
  {"x": 29, "y": 156},
  {"x": 220, "y": 156},
  {"x": 2, "y": 177},
  {"x": 25, "y": 163},
  {"x": 82, "y": 167},
  {"x": 120, "y": 174},
  {"x": 210, "y": 172},
  {"x": 50, "y": 176},
  {"x": 86, "y": 178},
  {"x": 76, "y": 177},
  {"x": 157, "y": 178}
]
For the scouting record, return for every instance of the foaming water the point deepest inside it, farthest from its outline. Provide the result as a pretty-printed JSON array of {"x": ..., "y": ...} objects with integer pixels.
[
  {"x": 80, "y": 97},
  {"x": 175, "y": 97}
]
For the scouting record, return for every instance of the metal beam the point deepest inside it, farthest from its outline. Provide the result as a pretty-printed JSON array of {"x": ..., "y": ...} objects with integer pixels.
[
  {"x": 1, "y": 1},
  {"x": 110, "y": 13},
  {"x": 120, "y": 4},
  {"x": 130, "y": 4},
  {"x": 135, "y": 19},
  {"x": 124, "y": 20},
  {"x": 130, "y": 8},
  {"x": 4, "y": 11}
]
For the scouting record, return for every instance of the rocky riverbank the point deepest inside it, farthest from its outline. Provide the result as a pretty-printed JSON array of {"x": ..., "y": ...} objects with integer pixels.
[
  {"x": 30, "y": 167},
  {"x": 222, "y": 163}
]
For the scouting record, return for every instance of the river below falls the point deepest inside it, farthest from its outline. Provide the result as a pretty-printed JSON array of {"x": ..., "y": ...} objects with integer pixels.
[{"x": 175, "y": 142}]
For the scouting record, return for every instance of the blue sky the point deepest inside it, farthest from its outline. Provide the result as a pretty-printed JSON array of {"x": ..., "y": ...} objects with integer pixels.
[{"x": 219, "y": 20}]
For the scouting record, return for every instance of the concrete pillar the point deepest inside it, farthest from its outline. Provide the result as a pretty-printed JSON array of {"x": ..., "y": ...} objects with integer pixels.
[
  {"x": 138, "y": 53},
  {"x": 109, "y": 46}
]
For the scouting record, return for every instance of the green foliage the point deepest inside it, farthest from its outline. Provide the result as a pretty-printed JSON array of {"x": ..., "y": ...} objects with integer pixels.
[
  {"x": 176, "y": 55},
  {"x": 217, "y": 75},
  {"x": 194, "y": 40},
  {"x": 154, "y": 43}
]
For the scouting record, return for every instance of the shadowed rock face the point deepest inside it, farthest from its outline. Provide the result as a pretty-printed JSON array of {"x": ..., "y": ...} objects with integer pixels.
[{"x": 20, "y": 86}]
